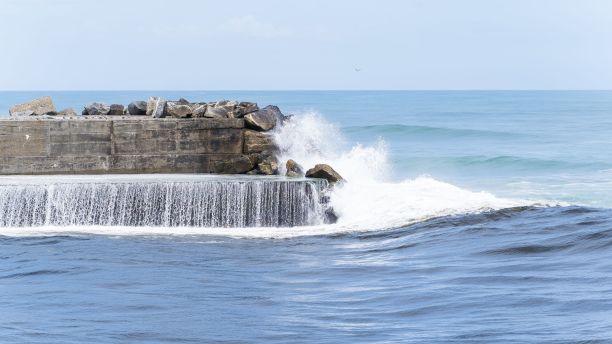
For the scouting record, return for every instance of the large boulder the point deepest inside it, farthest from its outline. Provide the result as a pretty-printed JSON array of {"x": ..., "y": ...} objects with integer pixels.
[
  {"x": 179, "y": 109},
  {"x": 116, "y": 110},
  {"x": 216, "y": 112},
  {"x": 36, "y": 107},
  {"x": 268, "y": 165},
  {"x": 156, "y": 107},
  {"x": 293, "y": 169},
  {"x": 137, "y": 108},
  {"x": 264, "y": 119},
  {"x": 324, "y": 171},
  {"x": 244, "y": 108},
  {"x": 96, "y": 109},
  {"x": 199, "y": 110},
  {"x": 257, "y": 142}
]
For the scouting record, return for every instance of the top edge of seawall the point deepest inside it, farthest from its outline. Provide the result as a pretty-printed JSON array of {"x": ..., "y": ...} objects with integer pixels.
[{"x": 111, "y": 118}]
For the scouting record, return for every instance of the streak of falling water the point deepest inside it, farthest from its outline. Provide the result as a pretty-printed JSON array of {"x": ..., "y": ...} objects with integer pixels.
[{"x": 211, "y": 203}]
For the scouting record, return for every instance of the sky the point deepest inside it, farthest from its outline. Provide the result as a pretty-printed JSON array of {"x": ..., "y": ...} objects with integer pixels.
[{"x": 305, "y": 45}]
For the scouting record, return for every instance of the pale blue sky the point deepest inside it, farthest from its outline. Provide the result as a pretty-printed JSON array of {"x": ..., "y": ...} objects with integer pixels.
[{"x": 310, "y": 44}]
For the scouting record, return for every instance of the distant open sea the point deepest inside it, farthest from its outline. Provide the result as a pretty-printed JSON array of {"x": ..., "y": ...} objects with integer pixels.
[{"x": 468, "y": 216}]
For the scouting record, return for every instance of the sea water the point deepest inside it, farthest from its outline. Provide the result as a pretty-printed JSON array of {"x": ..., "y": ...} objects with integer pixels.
[{"x": 467, "y": 217}]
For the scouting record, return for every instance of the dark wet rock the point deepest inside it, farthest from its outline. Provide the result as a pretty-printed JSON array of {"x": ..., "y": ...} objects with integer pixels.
[
  {"x": 293, "y": 169},
  {"x": 156, "y": 107},
  {"x": 36, "y": 107},
  {"x": 116, "y": 110},
  {"x": 137, "y": 108},
  {"x": 324, "y": 171},
  {"x": 264, "y": 119},
  {"x": 179, "y": 109},
  {"x": 257, "y": 142},
  {"x": 96, "y": 109},
  {"x": 330, "y": 216},
  {"x": 268, "y": 166}
]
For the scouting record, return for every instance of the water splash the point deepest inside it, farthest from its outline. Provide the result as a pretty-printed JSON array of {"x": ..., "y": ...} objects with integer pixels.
[{"x": 236, "y": 203}]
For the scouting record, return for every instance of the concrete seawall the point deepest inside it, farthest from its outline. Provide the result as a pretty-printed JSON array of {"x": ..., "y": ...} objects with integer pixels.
[{"x": 127, "y": 145}]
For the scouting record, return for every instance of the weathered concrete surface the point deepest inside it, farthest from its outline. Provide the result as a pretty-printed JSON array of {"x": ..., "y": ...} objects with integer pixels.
[{"x": 123, "y": 145}]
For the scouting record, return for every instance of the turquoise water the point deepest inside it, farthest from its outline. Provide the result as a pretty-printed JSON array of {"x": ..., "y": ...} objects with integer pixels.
[{"x": 468, "y": 217}]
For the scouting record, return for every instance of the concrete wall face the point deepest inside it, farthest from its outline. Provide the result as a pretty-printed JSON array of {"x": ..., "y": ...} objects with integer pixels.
[{"x": 143, "y": 145}]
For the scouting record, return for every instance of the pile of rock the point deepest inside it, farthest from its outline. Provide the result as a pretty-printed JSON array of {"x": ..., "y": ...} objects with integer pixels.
[{"x": 39, "y": 107}]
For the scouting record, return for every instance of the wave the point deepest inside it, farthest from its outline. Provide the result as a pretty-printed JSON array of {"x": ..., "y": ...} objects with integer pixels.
[
  {"x": 420, "y": 130},
  {"x": 501, "y": 161}
]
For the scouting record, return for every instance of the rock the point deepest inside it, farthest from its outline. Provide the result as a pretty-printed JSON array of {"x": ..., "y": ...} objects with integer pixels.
[
  {"x": 257, "y": 142},
  {"x": 199, "y": 110},
  {"x": 324, "y": 171},
  {"x": 216, "y": 112},
  {"x": 264, "y": 119},
  {"x": 69, "y": 112},
  {"x": 330, "y": 216},
  {"x": 96, "y": 109},
  {"x": 156, "y": 107},
  {"x": 116, "y": 110},
  {"x": 137, "y": 108},
  {"x": 268, "y": 166},
  {"x": 35, "y": 107},
  {"x": 293, "y": 169},
  {"x": 179, "y": 109},
  {"x": 244, "y": 108}
]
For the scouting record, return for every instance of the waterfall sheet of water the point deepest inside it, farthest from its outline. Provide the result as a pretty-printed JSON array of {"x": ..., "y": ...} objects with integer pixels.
[{"x": 186, "y": 202}]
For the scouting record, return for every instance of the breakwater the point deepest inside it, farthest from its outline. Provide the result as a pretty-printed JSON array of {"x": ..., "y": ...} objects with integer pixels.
[{"x": 158, "y": 136}]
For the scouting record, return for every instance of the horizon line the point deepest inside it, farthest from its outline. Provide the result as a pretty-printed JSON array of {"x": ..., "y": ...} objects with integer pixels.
[{"x": 318, "y": 90}]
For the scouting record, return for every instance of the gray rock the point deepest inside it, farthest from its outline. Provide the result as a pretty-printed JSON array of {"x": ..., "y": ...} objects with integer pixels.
[
  {"x": 179, "y": 109},
  {"x": 137, "y": 108},
  {"x": 330, "y": 216},
  {"x": 264, "y": 119},
  {"x": 96, "y": 109},
  {"x": 257, "y": 142},
  {"x": 69, "y": 112},
  {"x": 199, "y": 110},
  {"x": 325, "y": 171},
  {"x": 156, "y": 107},
  {"x": 116, "y": 110},
  {"x": 35, "y": 107},
  {"x": 216, "y": 112},
  {"x": 244, "y": 108},
  {"x": 268, "y": 166},
  {"x": 293, "y": 169}
]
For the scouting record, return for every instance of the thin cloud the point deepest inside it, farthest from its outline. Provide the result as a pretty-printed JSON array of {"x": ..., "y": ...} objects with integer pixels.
[{"x": 250, "y": 26}]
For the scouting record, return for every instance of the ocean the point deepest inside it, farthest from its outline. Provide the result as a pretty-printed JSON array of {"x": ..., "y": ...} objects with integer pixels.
[{"x": 468, "y": 216}]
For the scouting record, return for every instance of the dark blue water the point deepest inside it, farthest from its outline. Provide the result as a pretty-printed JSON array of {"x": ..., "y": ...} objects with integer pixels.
[
  {"x": 425, "y": 260},
  {"x": 520, "y": 275}
]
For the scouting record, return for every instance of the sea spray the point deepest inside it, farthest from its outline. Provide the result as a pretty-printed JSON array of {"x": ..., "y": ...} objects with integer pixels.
[{"x": 370, "y": 200}]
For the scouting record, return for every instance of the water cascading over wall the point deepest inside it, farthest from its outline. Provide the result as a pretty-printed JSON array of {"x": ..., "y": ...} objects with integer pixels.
[{"x": 242, "y": 202}]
